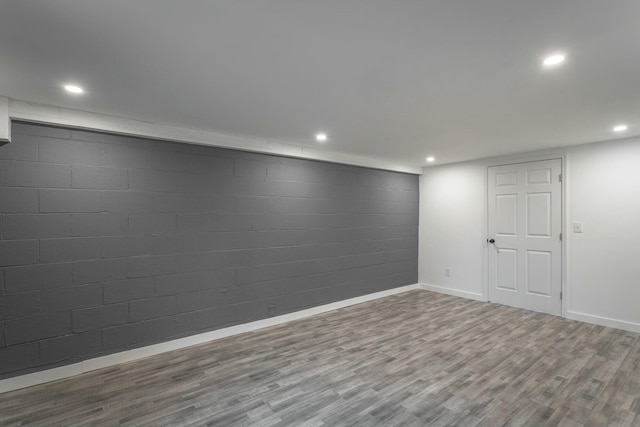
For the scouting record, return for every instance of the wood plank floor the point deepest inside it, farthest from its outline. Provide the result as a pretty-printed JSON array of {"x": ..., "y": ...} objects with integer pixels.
[{"x": 417, "y": 358}]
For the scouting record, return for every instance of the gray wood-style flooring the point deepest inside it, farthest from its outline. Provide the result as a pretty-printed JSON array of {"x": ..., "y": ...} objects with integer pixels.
[{"x": 417, "y": 358}]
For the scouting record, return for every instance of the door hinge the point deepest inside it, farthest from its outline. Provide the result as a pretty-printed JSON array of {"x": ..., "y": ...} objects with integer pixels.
[
  {"x": 560, "y": 294},
  {"x": 560, "y": 178},
  {"x": 561, "y": 237}
]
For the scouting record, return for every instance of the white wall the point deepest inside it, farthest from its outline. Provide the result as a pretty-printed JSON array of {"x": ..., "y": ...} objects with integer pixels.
[
  {"x": 603, "y": 263},
  {"x": 451, "y": 229}
]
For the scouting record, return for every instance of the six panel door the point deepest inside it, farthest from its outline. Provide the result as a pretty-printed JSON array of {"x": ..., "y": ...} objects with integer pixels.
[{"x": 524, "y": 215}]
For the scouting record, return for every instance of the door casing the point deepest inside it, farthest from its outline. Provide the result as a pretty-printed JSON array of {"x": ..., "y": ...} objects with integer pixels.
[{"x": 563, "y": 222}]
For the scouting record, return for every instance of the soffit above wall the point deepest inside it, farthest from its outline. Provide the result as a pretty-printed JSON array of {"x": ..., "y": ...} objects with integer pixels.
[{"x": 38, "y": 113}]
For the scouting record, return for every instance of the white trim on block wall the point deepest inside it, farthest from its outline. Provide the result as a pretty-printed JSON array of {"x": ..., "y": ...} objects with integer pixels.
[
  {"x": 39, "y": 113},
  {"x": 67, "y": 371},
  {"x": 5, "y": 121}
]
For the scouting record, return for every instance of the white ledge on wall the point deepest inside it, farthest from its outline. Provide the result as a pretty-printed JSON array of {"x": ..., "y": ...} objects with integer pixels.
[
  {"x": 5, "y": 121},
  {"x": 38, "y": 113}
]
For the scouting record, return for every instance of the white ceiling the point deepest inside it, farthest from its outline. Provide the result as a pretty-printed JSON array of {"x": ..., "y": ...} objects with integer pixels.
[{"x": 399, "y": 80}]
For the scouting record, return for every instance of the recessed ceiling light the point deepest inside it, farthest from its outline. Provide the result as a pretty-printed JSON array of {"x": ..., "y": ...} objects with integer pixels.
[
  {"x": 554, "y": 60},
  {"x": 431, "y": 159},
  {"x": 321, "y": 137},
  {"x": 73, "y": 89},
  {"x": 620, "y": 128}
]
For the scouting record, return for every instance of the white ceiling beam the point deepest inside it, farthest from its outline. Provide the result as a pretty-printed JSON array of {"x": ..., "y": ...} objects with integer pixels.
[
  {"x": 5, "y": 121},
  {"x": 39, "y": 113}
]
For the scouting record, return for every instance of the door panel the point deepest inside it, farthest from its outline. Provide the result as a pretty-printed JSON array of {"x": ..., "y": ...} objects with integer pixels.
[
  {"x": 539, "y": 176},
  {"x": 539, "y": 215},
  {"x": 539, "y": 280},
  {"x": 524, "y": 214},
  {"x": 507, "y": 214},
  {"x": 507, "y": 269},
  {"x": 506, "y": 179}
]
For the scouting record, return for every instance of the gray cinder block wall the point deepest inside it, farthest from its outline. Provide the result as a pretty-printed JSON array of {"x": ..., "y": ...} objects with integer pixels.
[{"x": 110, "y": 243}]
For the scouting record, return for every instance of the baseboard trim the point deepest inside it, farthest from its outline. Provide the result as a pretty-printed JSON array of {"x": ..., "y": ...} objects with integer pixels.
[
  {"x": 67, "y": 371},
  {"x": 454, "y": 292},
  {"x": 604, "y": 321},
  {"x": 572, "y": 315}
]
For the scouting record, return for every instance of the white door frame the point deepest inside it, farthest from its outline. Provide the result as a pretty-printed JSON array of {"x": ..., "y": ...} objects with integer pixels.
[{"x": 562, "y": 156}]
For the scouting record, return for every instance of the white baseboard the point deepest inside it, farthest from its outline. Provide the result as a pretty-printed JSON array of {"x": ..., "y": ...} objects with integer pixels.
[
  {"x": 604, "y": 321},
  {"x": 454, "y": 292},
  {"x": 582, "y": 317},
  {"x": 67, "y": 371}
]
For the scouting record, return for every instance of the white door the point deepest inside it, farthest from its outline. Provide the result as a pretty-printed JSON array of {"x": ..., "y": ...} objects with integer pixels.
[{"x": 525, "y": 214}]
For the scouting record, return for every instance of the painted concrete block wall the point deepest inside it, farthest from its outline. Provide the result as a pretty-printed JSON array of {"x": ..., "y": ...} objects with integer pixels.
[{"x": 110, "y": 242}]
